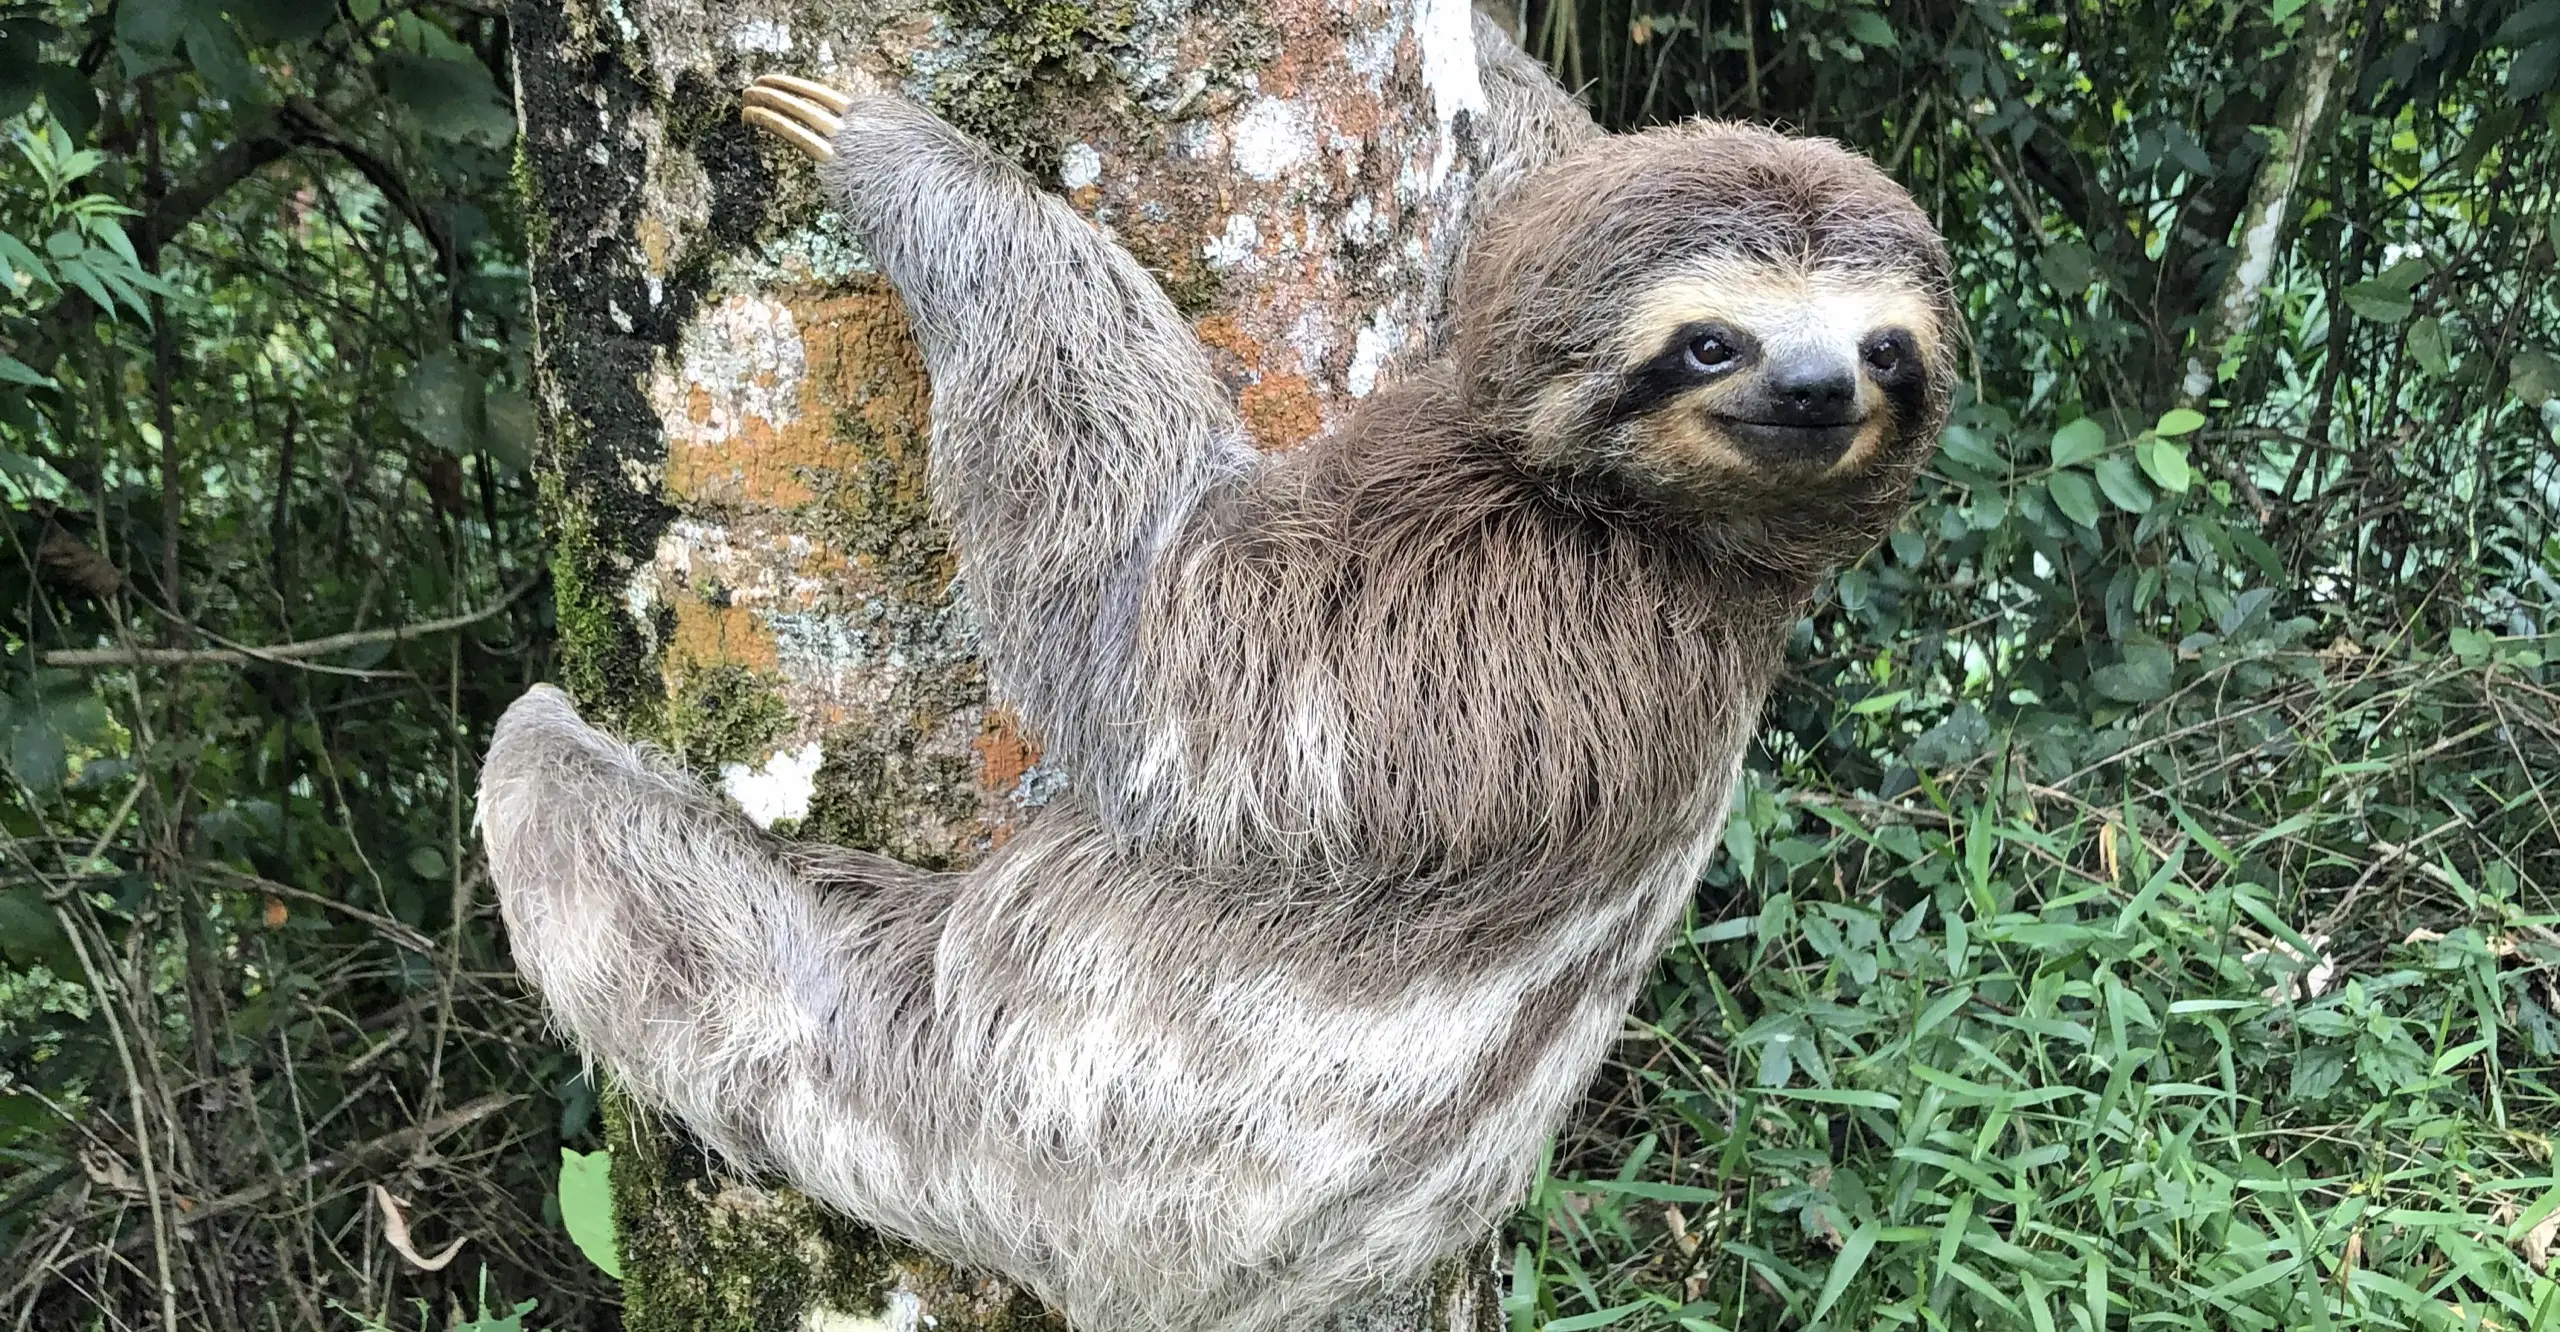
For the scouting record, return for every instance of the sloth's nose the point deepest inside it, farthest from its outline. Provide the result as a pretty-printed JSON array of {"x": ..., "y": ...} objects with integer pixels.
[{"x": 1812, "y": 392}]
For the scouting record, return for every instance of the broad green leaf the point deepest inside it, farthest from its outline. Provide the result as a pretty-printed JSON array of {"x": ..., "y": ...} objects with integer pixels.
[
  {"x": 22, "y": 61},
  {"x": 2124, "y": 484},
  {"x": 2072, "y": 494},
  {"x": 451, "y": 98},
  {"x": 215, "y": 50},
  {"x": 1868, "y": 28},
  {"x": 2534, "y": 375},
  {"x": 1966, "y": 444},
  {"x": 2078, "y": 442},
  {"x": 2533, "y": 70},
  {"x": 2379, "y": 301},
  {"x": 586, "y": 1207},
  {"x": 2428, "y": 347},
  {"x": 2179, "y": 421},
  {"x": 441, "y": 400},
  {"x": 510, "y": 434},
  {"x": 283, "y": 20},
  {"x": 2165, "y": 462},
  {"x": 2144, "y": 676},
  {"x": 427, "y": 863},
  {"x": 147, "y": 32}
]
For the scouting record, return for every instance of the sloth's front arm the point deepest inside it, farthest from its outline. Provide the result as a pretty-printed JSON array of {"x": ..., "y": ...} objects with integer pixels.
[{"x": 1076, "y": 422}]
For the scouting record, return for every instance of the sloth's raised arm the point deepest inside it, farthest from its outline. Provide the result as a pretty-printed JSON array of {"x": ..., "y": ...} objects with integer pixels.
[
  {"x": 1076, "y": 422},
  {"x": 723, "y": 976}
]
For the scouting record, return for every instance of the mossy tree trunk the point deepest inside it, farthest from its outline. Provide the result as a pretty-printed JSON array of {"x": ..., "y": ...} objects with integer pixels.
[{"x": 734, "y": 439}]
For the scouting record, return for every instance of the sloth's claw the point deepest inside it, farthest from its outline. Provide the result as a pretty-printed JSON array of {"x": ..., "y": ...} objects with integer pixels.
[
  {"x": 809, "y": 90},
  {"x": 803, "y": 114}
]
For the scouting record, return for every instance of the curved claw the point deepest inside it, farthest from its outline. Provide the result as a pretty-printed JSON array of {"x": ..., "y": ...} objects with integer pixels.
[{"x": 804, "y": 114}]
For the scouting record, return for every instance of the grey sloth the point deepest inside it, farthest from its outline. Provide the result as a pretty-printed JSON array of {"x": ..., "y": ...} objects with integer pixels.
[{"x": 1395, "y": 756}]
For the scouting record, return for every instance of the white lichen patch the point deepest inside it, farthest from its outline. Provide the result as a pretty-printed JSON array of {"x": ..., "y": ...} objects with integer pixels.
[
  {"x": 1234, "y": 245},
  {"x": 1272, "y": 139},
  {"x": 903, "y": 1312},
  {"x": 1445, "y": 30},
  {"x": 781, "y": 788},
  {"x": 1377, "y": 340},
  {"x": 763, "y": 571},
  {"x": 739, "y": 361},
  {"x": 764, "y": 36},
  {"x": 1079, "y": 166}
]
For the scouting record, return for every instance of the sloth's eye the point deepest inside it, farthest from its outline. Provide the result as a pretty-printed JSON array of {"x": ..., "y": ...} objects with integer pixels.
[
  {"x": 1884, "y": 354},
  {"x": 1712, "y": 351}
]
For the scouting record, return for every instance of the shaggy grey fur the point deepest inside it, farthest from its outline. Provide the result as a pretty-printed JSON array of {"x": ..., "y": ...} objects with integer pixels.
[{"x": 1396, "y": 756}]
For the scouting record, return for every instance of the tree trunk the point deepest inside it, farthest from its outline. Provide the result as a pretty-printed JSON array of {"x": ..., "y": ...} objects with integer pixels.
[{"x": 746, "y": 568}]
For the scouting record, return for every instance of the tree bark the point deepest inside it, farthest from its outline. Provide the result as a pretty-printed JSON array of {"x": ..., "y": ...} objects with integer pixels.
[
  {"x": 2295, "y": 143},
  {"x": 733, "y": 424}
]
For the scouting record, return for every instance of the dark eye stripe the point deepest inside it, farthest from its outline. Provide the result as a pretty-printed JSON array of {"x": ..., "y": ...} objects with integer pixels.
[{"x": 1672, "y": 371}]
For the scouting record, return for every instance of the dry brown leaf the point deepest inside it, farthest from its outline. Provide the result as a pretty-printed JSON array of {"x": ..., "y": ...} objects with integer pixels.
[
  {"x": 395, "y": 1231},
  {"x": 2538, "y": 1243}
]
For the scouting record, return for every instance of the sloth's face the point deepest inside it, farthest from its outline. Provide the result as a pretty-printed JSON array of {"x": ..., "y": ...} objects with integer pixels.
[{"x": 1741, "y": 379}]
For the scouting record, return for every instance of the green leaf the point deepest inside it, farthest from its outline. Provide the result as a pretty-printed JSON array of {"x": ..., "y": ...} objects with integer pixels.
[
  {"x": 2379, "y": 300},
  {"x": 1965, "y": 444},
  {"x": 441, "y": 400},
  {"x": 2079, "y": 441},
  {"x": 31, "y": 934},
  {"x": 2427, "y": 345},
  {"x": 2144, "y": 676},
  {"x": 15, "y": 371},
  {"x": 2179, "y": 421},
  {"x": 273, "y": 21},
  {"x": 215, "y": 50},
  {"x": 1600, "y": 1318},
  {"x": 72, "y": 98},
  {"x": 147, "y": 32},
  {"x": 2165, "y": 462},
  {"x": 427, "y": 863},
  {"x": 2471, "y": 646},
  {"x": 2072, "y": 495},
  {"x": 1844, "y": 1269},
  {"x": 2534, "y": 376},
  {"x": 22, "y": 61},
  {"x": 2124, "y": 485},
  {"x": 51, "y": 723},
  {"x": 452, "y": 99},
  {"x": 510, "y": 434},
  {"x": 586, "y": 1207},
  {"x": 2533, "y": 70},
  {"x": 2068, "y": 266},
  {"x": 1868, "y": 28}
]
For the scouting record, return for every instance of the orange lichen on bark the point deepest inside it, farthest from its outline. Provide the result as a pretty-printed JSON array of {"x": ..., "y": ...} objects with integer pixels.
[
  {"x": 1004, "y": 752},
  {"x": 1281, "y": 410},
  {"x": 1280, "y": 407},
  {"x": 859, "y": 361},
  {"x": 708, "y": 635}
]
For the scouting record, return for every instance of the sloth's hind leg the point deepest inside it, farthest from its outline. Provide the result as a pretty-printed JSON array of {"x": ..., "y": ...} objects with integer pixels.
[{"x": 687, "y": 950}]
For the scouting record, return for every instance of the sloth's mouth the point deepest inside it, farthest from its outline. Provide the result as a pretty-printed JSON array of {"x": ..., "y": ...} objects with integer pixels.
[{"x": 1790, "y": 445}]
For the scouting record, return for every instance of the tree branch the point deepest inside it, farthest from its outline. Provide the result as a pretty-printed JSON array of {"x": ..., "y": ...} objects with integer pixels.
[{"x": 239, "y": 654}]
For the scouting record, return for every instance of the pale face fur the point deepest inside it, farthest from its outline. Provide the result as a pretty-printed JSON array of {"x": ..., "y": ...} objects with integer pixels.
[
  {"x": 1725, "y": 409},
  {"x": 1395, "y": 758}
]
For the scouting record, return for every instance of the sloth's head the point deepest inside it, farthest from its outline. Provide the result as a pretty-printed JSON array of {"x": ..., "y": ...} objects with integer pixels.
[{"x": 1718, "y": 323}]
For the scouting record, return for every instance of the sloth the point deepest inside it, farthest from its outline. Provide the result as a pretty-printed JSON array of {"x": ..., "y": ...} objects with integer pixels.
[{"x": 1395, "y": 758}]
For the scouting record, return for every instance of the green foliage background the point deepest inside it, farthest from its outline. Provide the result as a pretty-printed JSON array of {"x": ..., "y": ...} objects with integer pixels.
[{"x": 2142, "y": 909}]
